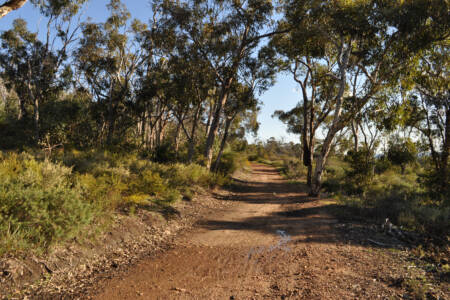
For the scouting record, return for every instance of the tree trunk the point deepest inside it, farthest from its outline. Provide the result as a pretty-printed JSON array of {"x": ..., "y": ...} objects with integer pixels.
[
  {"x": 177, "y": 139},
  {"x": 336, "y": 126},
  {"x": 309, "y": 176},
  {"x": 22, "y": 110},
  {"x": 144, "y": 128},
  {"x": 321, "y": 162},
  {"x": 208, "y": 122},
  {"x": 215, "y": 127},
  {"x": 36, "y": 119},
  {"x": 355, "y": 135},
  {"x": 307, "y": 162},
  {"x": 192, "y": 138},
  {"x": 223, "y": 143},
  {"x": 445, "y": 153},
  {"x": 402, "y": 168},
  {"x": 111, "y": 121}
]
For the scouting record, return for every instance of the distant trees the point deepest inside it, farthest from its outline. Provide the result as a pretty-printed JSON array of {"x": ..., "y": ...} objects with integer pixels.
[
  {"x": 430, "y": 82},
  {"x": 224, "y": 34},
  {"x": 35, "y": 69},
  {"x": 185, "y": 83},
  {"x": 107, "y": 65},
  {"x": 170, "y": 88}
]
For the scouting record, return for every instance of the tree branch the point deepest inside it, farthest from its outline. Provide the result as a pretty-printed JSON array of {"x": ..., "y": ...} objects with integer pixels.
[{"x": 11, "y": 5}]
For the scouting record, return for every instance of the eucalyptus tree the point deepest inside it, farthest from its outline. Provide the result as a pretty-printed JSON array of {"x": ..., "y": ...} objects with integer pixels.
[
  {"x": 224, "y": 33},
  {"x": 39, "y": 70},
  {"x": 242, "y": 104},
  {"x": 366, "y": 42},
  {"x": 430, "y": 93},
  {"x": 193, "y": 88},
  {"x": 256, "y": 76},
  {"x": 45, "y": 6},
  {"x": 108, "y": 58},
  {"x": 317, "y": 87}
]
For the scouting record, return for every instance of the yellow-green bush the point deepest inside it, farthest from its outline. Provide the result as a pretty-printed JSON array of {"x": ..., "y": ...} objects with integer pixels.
[
  {"x": 293, "y": 168},
  {"x": 39, "y": 203},
  {"x": 42, "y": 202},
  {"x": 230, "y": 162}
]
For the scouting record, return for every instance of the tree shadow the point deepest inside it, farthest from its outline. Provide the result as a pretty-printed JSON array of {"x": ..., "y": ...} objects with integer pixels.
[
  {"x": 165, "y": 209},
  {"x": 305, "y": 219},
  {"x": 310, "y": 225}
]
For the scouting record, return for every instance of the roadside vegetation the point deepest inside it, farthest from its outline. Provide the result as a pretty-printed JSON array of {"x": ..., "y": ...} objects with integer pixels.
[
  {"x": 101, "y": 118},
  {"x": 369, "y": 189},
  {"x": 373, "y": 188},
  {"x": 44, "y": 201}
]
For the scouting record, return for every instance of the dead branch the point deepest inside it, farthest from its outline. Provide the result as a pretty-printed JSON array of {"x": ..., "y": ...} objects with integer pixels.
[{"x": 11, "y": 5}]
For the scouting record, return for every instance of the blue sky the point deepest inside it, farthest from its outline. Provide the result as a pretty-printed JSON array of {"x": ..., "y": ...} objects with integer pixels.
[{"x": 282, "y": 95}]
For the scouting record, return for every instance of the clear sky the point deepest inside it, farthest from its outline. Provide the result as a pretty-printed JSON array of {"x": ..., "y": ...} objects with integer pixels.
[{"x": 283, "y": 95}]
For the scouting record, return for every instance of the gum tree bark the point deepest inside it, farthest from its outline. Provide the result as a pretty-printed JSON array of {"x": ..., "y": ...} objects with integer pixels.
[{"x": 336, "y": 126}]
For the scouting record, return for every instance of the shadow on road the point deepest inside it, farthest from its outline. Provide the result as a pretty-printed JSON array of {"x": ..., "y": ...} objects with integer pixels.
[{"x": 306, "y": 219}]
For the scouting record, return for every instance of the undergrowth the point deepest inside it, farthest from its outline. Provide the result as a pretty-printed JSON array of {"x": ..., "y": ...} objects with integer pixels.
[{"x": 43, "y": 201}]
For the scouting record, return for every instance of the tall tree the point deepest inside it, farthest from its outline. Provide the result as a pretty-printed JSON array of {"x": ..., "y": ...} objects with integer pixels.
[
  {"x": 224, "y": 33},
  {"x": 38, "y": 70},
  {"x": 369, "y": 43},
  {"x": 108, "y": 60},
  {"x": 54, "y": 7},
  {"x": 431, "y": 95}
]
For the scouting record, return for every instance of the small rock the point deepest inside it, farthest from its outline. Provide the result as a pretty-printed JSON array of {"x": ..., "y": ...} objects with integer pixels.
[{"x": 179, "y": 290}]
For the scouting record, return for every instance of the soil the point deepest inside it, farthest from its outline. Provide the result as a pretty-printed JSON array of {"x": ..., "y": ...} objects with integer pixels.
[
  {"x": 264, "y": 239},
  {"x": 273, "y": 242}
]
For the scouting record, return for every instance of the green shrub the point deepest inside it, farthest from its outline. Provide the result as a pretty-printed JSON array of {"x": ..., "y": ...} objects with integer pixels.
[
  {"x": 165, "y": 153},
  {"x": 402, "y": 152},
  {"x": 149, "y": 182},
  {"x": 293, "y": 169},
  {"x": 39, "y": 203},
  {"x": 230, "y": 162},
  {"x": 43, "y": 202},
  {"x": 361, "y": 170},
  {"x": 382, "y": 165},
  {"x": 171, "y": 196}
]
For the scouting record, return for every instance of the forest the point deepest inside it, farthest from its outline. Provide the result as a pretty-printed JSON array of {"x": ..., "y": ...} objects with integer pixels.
[{"x": 99, "y": 118}]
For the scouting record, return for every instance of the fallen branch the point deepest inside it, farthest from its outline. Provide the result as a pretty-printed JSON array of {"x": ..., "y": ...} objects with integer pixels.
[
  {"x": 11, "y": 5},
  {"x": 380, "y": 244}
]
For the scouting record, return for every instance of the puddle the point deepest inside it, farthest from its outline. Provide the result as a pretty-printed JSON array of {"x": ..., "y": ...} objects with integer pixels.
[{"x": 284, "y": 239}]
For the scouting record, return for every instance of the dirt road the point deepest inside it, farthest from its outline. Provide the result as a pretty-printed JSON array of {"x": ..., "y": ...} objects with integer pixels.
[{"x": 273, "y": 243}]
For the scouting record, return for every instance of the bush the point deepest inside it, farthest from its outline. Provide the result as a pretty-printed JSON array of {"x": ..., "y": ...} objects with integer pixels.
[
  {"x": 43, "y": 202},
  {"x": 230, "y": 162},
  {"x": 382, "y": 165},
  {"x": 293, "y": 169},
  {"x": 404, "y": 206},
  {"x": 39, "y": 204},
  {"x": 402, "y": 152},
  {"x": 165, "y": 153},
  {"x": 361, "y": 170},
  {"x": 388, "y": 194}
]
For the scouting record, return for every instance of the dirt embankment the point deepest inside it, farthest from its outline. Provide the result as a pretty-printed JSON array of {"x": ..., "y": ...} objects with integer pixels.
[
  {"x": 70, "y": 271},
  {"x": 264, "y": 240}
]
